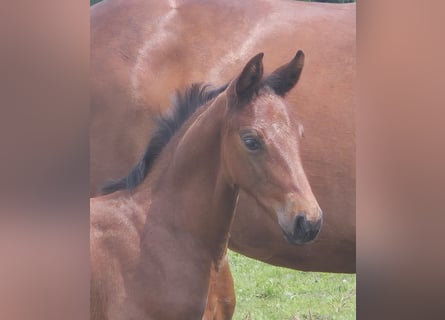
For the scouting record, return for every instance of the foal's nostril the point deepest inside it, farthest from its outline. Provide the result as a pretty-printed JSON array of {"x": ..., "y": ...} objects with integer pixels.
[
  {"x": 300, "y": 226},
  {"x": 304, "y": 230}
]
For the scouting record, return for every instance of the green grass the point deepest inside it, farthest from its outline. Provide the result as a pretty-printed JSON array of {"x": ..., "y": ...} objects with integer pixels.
[{"x": 265, "y": 292}]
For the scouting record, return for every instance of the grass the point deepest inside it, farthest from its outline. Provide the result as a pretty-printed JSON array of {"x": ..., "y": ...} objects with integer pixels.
[{"x": 267, "y": 292}]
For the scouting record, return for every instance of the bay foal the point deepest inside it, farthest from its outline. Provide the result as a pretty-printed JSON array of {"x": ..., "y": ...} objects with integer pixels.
[{"x": 153, "y": 246}]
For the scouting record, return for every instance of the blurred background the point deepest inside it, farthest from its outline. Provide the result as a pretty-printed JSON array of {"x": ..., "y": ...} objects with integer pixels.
[{"x": 44, "y": 96}]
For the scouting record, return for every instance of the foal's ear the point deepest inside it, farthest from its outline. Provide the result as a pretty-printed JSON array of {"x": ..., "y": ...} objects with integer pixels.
[
  {"x": 248, "y": 80},
  {"x": 286, "y": 77}
]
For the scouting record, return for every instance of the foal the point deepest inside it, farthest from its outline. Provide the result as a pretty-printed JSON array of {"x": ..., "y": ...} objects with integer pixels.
[{"x": 152, "y": 247}]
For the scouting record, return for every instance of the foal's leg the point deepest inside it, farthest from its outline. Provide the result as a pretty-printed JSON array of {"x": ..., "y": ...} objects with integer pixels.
[{"x": 221, "y": 297}]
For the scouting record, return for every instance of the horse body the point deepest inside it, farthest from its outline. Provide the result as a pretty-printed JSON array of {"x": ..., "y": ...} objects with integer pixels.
[
  {"x": 144, "y": 50},
  {"x": 154, "y": 247}
]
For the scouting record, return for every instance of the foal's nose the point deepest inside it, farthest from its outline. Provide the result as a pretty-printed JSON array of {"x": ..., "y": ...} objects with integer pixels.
[{"x": 305, "y": 230}]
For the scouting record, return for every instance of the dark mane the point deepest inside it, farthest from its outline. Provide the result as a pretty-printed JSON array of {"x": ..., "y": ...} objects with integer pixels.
[{"x": 184, "y": 105}]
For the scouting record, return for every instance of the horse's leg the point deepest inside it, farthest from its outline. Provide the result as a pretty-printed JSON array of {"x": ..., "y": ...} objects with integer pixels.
[
  {"x": 226, "y": 299},
  {"x": 221, "y": 297}
]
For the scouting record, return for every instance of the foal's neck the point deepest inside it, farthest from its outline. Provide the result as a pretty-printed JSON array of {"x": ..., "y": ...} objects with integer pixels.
[{"x": 193, "y": 194}]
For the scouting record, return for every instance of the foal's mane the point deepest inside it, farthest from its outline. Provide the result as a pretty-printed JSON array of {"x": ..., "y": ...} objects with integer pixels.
[{"x": 183, "y": 106}]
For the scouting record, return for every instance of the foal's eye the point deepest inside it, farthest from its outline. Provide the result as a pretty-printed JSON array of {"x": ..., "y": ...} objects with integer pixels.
[{"x": 252, "y": 143}]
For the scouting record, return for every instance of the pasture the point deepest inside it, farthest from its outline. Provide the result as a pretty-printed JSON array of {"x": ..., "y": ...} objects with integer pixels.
[{"x": 265, "y": 292}]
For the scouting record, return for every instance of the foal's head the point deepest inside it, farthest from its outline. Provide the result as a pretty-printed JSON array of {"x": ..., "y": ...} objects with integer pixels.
[{"x": 260, "y": 147}]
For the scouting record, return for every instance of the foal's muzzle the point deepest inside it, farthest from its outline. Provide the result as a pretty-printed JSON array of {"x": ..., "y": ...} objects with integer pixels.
[{"x": 304, "y": 230}]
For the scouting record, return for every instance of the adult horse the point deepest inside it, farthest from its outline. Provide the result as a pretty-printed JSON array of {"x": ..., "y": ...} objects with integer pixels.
[
  {"x": 143, "y": 50},
  {"x": 153, "y": 247}
]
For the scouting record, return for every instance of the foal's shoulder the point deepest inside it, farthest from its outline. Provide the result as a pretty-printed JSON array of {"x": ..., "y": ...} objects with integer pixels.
[{"x": 114, "y": 215}]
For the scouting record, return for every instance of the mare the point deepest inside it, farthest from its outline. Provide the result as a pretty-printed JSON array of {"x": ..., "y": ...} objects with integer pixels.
[
  {"x": 142, "y": 50},
  {"x": 154, "y": 246}
]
